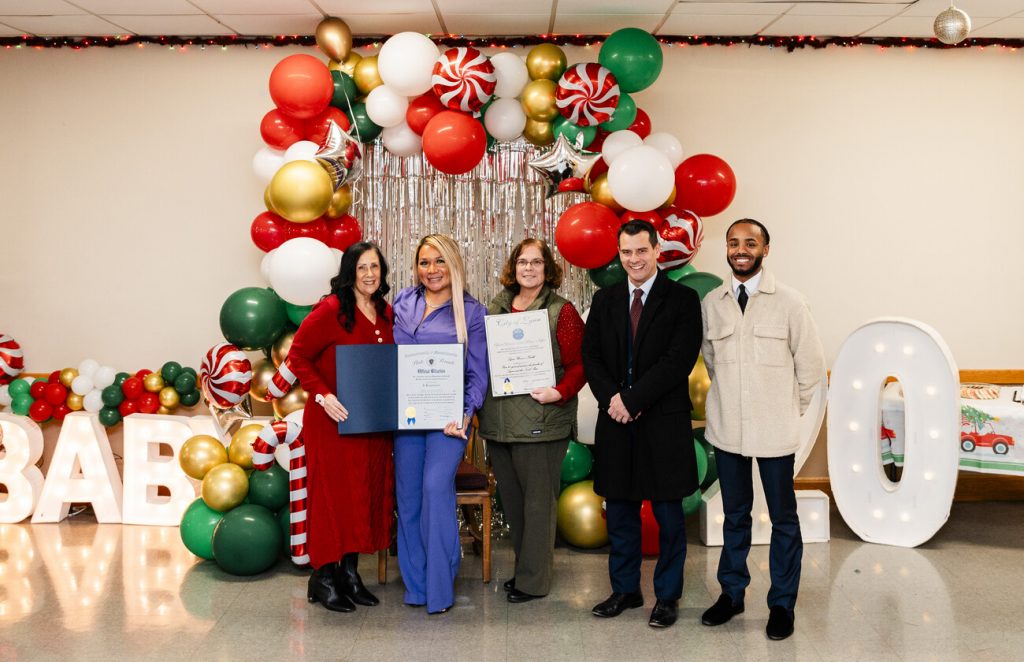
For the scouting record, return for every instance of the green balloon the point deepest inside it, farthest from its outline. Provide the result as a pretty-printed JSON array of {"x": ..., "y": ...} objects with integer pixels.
[
  {"x": 247, "y": 540},
  {"x": 184, "y": 383},
  {"x": 577, "y": 463},
  {"x": 365, "y": 130},
  {"x": 21, "y": 403},
  {"x": 624, "y": 115},
  {"x": 563, "y": 127},
  {"x": 634, "y": 56},
  {"x": 112, "y": 395},
  {"x": 691, "y": 504},
  {"x": 170, "y": 371},
  {"x": 197, "y": 526},
  {"x": 269, "y": 488},
  {"x": 296, "y": 313},
  {"x": 284, "y": 520},
  {"x": 120, "y": 378},
  {"x": 252, "y": 317},
  {"x": 19, "y": 387},
  {"x": 189, "y": 399},
  {"x": 702, "y": 460},
  {"x": 562, "y": 485},
  {"x": 679, "y": 272},
  {"x": 700, "y": 282},
  {"x": 345, "y": 92},
  {"x": 608, "y": 275},
  {"x": 109, "y": 416},
  {"x": 190, "y": 370}
]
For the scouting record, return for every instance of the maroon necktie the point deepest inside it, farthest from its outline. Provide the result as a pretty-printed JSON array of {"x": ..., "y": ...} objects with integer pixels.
[{"x": 635, "y": 309}]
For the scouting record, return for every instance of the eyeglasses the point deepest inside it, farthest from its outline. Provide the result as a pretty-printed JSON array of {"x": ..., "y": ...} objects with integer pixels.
[{"x": 536, "y": 264}]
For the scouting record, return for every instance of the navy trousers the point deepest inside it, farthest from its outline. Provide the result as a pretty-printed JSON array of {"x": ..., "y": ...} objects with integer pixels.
[
  {"x": 625, "y": 556},
  {"x": 787, "y": 547}
]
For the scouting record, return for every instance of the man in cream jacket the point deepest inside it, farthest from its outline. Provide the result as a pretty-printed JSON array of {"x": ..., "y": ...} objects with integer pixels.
[{"x": 765, "y": 359}]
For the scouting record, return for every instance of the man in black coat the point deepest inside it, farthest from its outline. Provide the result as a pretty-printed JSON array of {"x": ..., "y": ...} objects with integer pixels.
[{"x": 640, "y": 345}]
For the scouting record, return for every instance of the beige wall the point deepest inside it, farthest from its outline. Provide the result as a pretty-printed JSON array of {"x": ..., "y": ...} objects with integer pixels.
[{"x": 889, "y": 180}]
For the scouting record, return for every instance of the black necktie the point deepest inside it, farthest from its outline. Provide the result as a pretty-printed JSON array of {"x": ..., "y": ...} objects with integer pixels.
[
  {"x": 742, "y": 298},
  {"x": 635, "y": 309}
]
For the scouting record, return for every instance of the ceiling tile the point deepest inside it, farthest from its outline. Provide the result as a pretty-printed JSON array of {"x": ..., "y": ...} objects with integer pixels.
[
  {"x": 614, "y": 7},
  {"x": 256, "y": 6},
  {"x": 268, "y": 24},
  {"x": 974, "y": 8},
  {"x": 133, "y": 7},
  {"x": 477, "y": 7},
  {"x": 62, "y": 26},
  {"x": 729, "y": 8},
  {"x": 706, "y": 24},
  {"x": 826, "y": 26},
  {"x": 497, "y": 24},
  {"x": 904, "y": 26},
  {"x": 845, "y": 9},
  {"x": 387, "y": 24},
  {"x": 603, "y": 23},
  {"x": 172, "y": 25},
  {"x": 8, "y": 31},
  {"x": 346, "y": 8},
  {"x": 37, "y": 8},
  {"x": 1007, "y": 28}
]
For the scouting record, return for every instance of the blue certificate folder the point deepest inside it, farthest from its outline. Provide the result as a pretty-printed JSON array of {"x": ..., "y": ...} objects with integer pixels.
[{"x": 367, "y": 387}]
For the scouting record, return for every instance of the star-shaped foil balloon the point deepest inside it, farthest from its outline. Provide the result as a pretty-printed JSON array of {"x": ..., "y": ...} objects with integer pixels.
[
  {"x": 562, "y": 162},
  {"x": 341, "y": 156}
]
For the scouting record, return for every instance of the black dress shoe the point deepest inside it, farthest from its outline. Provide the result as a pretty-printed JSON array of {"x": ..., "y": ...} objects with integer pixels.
[
  {"x": 780, "y": 623},
  {"x": 722, "y": 611},
  {"x": 509, "y": 585},
  {"x": 517, "y": 596},
  {"x": 664, "y": 613},
  {"x": 351, "y": 584},
  {"x": 618, "y": 603},
  {"x": 322, "y": 589}
]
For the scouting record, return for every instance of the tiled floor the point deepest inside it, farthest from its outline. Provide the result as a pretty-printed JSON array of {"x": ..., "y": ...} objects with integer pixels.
[{"x": 82, "y": 591}]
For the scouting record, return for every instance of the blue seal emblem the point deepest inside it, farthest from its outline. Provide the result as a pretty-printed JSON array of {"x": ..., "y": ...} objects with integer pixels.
[{"x": 517, "y": 334}]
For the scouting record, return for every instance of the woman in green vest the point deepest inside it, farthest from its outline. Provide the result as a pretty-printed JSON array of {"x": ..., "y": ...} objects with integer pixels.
[{"x": 527, "y": 435}]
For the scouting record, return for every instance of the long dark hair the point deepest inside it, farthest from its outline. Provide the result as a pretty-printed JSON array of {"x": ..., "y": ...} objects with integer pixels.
[{"x": 343, "y": 285}]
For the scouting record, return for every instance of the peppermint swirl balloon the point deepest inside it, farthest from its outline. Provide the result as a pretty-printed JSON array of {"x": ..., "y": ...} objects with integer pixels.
[
  {"x": 587, "y": 94},
  {"x": 680, "y": 237},
  {"x": 226, "y": 375},
  {"x": 12, "y": 359},
  {"x": 464, "y": 79}
]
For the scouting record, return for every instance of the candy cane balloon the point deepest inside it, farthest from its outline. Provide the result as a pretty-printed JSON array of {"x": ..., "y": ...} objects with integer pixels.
[
  {"x": 288, "y": 433},
  {"x": 12, "y": 359},
  {"x": 281, "y": 382}
]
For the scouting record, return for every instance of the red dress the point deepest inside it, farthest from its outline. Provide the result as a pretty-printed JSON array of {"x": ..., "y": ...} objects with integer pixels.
[{"x": 351, "y": 477}]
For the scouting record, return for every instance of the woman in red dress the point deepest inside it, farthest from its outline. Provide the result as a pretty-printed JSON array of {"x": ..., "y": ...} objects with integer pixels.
[{"x": 351, "y": 477}]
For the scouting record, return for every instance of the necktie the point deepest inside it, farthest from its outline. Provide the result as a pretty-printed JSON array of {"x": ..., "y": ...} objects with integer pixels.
[
  {"x": 635, "y": 309},
  {"x": 742, "y": 298}
]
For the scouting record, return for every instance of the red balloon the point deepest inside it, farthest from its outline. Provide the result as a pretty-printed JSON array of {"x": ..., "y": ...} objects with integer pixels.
[
  {"x": 54, "y": 377},
  {"x": 314, "y": 230},
  {"x": 60, "y": 411},
  {"x": 301, "y": 86},
  {"x": 587, "y": 235},
  {"x": 600, "y": 167},
  {"x": 132, "y": 387},
  {"x": 652, "y": 217},
  {"x": 421, "y": 110},
  {"x": 649, "y": 530},
  {"x": 317, "y": 127},
  {"x": 342, "y": 232},
  {"x": 55, "y": 394},
  {"x": 268, "y": 231},
  {"x": 128, "y": 407},
  {"x": 40, "y": 411},
  {"x": 281, "y": 131},
  {"x": 598, "y": 142},
  {"x": 141, "y": 374},
  {"x": 705, "y": 184},
  {"x": 148, "y": 403},
  {"x": 454, "y": 142},
  {"x": 37, "y": 390},
  {"x": 641, "y": 126},
  {"x": 571, "y": 184}
]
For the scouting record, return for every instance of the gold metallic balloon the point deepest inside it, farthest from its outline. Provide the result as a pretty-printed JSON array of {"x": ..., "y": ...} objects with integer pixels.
[
  {"x": 334, "y": 38},
  {"x": 262, "y": 372},
  {"x": 164, "y": 411},
  {"x": 580, "y": 518},
  {"x": 283, "y": 344},
  {"x": 301, "y": 191},
  {"x": 671, "y": 198},
  {"x": 341, "y": 202},
  {"x": 539, "y": 133},
  {"x": 75, "y": 402},
  {"x": 67, "y": 375},
  {"x": 538, "y": 100},
  {"x": 201, "y": 453},
  {"x": 266, "y": 199},
  {"x": 601, "y": 192},
  {"x": 240, "y": 449},
  {"x": 153, "y": 382},
  {"x": 348, "y": 65},
  {"x": 169, "y": 397},
  {"x": 546, "y": 61},
  {"x": 700, "y": 382},
  {"x": 365, "y": 74},
  {"x": 225, "y": 486},
  {"x": 293, "y": 400}
]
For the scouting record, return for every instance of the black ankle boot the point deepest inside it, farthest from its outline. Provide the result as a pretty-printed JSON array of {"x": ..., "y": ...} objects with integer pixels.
[
  {"x": 322, "y": 589},
  {"x": 351, "y": 584}
]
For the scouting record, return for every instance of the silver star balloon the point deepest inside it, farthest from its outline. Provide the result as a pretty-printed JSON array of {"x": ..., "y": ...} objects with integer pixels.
[
  {"x": 341, "y": 156},
  {"x": 563, "y": 161}
]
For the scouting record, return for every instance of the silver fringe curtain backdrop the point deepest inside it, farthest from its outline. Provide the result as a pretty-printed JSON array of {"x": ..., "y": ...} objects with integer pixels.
[{"x": 487, "y": 211}]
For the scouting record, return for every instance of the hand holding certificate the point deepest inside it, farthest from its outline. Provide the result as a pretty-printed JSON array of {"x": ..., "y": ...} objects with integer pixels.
[{"x": 519, "y": 352}]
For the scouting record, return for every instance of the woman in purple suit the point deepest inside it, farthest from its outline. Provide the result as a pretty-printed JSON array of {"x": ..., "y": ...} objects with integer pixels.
[{"x": 437, "y": 311}]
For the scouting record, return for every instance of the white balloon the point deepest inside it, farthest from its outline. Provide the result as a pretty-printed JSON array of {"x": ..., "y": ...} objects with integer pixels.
[
  {"x": 301, "y": 270},
  {"x": 406, "y": 63},
  {"x": 586, "y": 416},
  {"x": 385, "y": 107},
  {"x": 82, "y": 385},
  {"x": 266, "y": 163},
  {"x": 265, "y": 265},
  {"x": 511, "y": 73},
  {"x": 668, "y": 145},
  {"x": 88, "y": 367},
  {"x": 400, "y": 140},
  {"x": 5, "y": 396},
  {"x": 641, "y": 179},
  {"x": 103, "y": 377},
  {"x": 618, "y": 142},
  {"x": 337, "y": 258},
  {"x": 301, "y": 151},
  {"x": 93, "y": 400},
  {"x": 505, "y": 119}
]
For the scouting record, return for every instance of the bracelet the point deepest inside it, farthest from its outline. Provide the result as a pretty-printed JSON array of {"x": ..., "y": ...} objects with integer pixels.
[{"x": 319, "y": 399}]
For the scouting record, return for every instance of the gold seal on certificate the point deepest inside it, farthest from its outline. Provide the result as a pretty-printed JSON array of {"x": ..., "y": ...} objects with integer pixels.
[{"x": 519, "y": 352}]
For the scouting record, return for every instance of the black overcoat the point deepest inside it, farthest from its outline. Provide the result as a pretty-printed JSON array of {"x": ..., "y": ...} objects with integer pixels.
[{"x": 651, "y": 457}]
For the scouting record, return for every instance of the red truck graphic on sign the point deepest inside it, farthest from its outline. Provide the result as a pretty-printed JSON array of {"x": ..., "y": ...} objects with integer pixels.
[{"x": 976, "y": 437}]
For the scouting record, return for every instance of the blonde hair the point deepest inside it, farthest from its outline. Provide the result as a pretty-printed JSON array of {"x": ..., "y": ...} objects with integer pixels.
[{"x": 449, "y": 251}]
